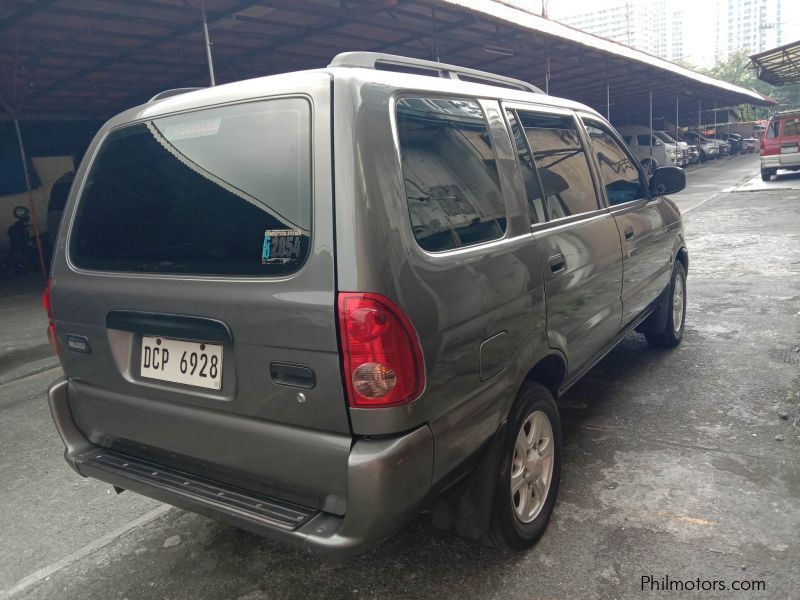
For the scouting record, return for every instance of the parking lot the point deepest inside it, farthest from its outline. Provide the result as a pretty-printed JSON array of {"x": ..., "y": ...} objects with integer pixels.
[{"x": 682, "y": 464}]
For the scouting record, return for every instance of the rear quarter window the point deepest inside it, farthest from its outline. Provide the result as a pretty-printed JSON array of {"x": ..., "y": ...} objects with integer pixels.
[
  {"x": 222, "y": 191},
  {"x": 791, "y": 127},
  {"x": 450, "y": 177}
]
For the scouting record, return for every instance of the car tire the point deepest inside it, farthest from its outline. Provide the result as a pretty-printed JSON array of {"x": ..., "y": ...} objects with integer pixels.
[
  {"x": 702, "y": 157},
  {"x": 767, "y": 175},
  {"x": 676, "y": 311},
  {"x": 518, "y": 516}
]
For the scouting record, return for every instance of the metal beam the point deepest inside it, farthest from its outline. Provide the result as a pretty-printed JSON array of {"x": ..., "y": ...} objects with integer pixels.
[
  {"x": 325, "y": 26},
  {"x": 76, "y": 78}
]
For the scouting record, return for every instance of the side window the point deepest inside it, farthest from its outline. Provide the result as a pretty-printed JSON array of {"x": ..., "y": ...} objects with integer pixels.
[
  {"x": 561, "y": 164},
  {"x": 773, "y": 129},
  {"x": 791, "y": 127},
  {"x": 621, "y": 178},
  {"x": 645, "y": 140},
  {"x": 451, "y": 182},
  {"x": 627, "y": 139}
]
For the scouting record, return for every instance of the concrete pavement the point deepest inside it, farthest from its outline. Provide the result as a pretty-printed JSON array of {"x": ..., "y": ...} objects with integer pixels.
[
  {"x": 24, "y": 349},
  {"x": 677, "y": 464}
]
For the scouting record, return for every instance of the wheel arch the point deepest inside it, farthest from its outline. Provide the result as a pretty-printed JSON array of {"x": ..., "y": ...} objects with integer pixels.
[
  {"x": 550, "y": 371},
  {"x": 464, "y": 508}
]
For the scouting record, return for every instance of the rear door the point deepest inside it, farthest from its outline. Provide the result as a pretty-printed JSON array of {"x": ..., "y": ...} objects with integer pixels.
[
  {"x": 641, "y": 221},
  {"x": 790, "y": 141},
  {"x": 578, "y": 241},
  {"x": 199, "y": 268}
]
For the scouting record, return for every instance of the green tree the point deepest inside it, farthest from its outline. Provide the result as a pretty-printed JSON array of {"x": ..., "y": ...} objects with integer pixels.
[{"x": 736, "y": 69}]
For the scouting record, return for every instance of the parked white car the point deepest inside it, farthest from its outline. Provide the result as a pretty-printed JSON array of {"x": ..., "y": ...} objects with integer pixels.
[
  {"x": 683, "y": 147},
  {"x": 648, "y": 148}
]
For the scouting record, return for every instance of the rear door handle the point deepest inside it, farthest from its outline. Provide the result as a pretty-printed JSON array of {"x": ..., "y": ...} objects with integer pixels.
[
  {"x": 628, "y": 232},
  {"x": 557, "y": 263}
]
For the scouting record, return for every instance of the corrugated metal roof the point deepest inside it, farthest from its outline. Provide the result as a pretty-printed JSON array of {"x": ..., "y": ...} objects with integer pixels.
[
  {"x": 556, "y": 30},
  {"x": 96, "y": 57},
  {"x": 778, "y": 66}
]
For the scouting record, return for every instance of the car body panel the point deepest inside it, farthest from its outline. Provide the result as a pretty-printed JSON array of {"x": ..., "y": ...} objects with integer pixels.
[
  {"x": 646, "y": 228},
  {"x": 651, "y": 226},
  {"x": 583, "y": 300}
]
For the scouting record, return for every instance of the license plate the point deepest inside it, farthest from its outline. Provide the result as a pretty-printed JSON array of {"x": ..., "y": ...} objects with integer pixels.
[
  {"x": 788, "y": 149},
  {"x": 189, "y": 363}
]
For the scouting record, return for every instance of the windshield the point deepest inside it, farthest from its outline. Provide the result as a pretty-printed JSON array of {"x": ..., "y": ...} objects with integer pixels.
[
  {"x": 218, "y": 191},
  {"x": 665, "y": 137}
]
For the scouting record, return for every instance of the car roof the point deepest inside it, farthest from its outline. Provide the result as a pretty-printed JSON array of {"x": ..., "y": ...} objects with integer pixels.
[
  {"x": 351, "y": 76},
  {"x": 785, "y": 115}
]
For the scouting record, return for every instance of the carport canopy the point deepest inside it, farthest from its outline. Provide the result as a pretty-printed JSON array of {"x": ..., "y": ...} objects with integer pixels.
[
  {"x": 778, "y": 66},
  {"x": 92, "y": 58}
]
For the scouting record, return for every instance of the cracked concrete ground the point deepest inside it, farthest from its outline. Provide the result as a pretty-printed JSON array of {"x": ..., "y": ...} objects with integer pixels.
[{"x": 677, "y": 464}]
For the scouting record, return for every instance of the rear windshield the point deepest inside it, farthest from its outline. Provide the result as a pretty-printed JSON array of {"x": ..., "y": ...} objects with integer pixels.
[{"x": 223, "y": 191}]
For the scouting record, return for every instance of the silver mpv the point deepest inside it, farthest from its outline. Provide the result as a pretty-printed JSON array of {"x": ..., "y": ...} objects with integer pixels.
[{"x": 316, "y": 303}]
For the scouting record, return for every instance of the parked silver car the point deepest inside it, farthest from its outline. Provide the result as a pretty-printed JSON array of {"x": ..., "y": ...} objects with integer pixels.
[
  {"x": 313, "y": 304},
  {"x": 709, "y": 149}
]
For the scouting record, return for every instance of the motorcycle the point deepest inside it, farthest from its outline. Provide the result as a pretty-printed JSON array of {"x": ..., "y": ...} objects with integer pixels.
[{"x": 23, "y": 254}]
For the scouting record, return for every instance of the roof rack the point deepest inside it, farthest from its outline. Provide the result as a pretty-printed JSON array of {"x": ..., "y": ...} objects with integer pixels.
[
  {"x": 373, "y": 60},
  {"x": 173, "y": 92},
  {"x": 788, "y": 111}
]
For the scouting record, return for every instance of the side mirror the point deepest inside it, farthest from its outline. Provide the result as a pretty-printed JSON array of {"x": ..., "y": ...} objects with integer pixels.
[{"x": 667, "y": 180}]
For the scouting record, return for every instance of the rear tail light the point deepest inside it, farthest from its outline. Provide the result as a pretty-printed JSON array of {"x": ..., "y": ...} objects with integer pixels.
[
  {"x": 51, "y": 324},
  {"x": 381, "y": 354}
]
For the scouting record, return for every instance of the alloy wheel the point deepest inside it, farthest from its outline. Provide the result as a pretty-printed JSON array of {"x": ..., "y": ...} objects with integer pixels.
[
  {"x": 678, "y": 299},
  {"x": 532, "y": 466}
]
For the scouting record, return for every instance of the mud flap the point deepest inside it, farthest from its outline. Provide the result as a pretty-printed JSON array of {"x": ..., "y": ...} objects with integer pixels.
[
  {"x": 657, "y": 321},
  {"x": 466, "y": 508}
]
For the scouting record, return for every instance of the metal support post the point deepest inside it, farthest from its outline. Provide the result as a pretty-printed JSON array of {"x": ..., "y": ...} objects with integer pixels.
[
  {"x": 651, "y": 128},
  {"x": 208, "y": 45},
  {"x": 31, "y": 204}
]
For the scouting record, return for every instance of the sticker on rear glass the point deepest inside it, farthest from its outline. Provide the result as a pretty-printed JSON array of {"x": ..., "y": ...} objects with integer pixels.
[{"x": 281, "y": 246}]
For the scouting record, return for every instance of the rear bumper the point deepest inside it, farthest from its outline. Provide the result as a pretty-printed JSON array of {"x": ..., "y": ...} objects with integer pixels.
[
  {"x": 770, "y": 162},
  {"x": 781, "y": 161},
  {"x": 387, "y": 480}
]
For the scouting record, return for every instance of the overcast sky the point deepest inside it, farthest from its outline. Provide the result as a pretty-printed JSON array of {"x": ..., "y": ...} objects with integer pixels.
[{"x": 699, "y": 27}]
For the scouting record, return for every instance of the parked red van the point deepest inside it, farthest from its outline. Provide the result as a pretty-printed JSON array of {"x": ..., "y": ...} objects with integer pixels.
[{"x": 780, "y": 144}]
